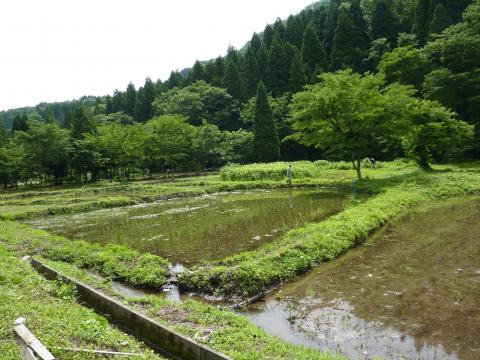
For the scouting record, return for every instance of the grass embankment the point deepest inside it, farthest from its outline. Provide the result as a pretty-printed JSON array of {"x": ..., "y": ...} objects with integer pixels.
[
  {"x": 39, "y": 202},
  {"x": 112, "y": 261},
  {"x": 251, "y": 272},
  {"x": 53, "y": 315},
  {"x": 232, "y": 334}
]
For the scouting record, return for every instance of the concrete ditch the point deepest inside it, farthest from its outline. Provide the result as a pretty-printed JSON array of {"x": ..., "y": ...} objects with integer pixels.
[{"x": 164, "y": 340}]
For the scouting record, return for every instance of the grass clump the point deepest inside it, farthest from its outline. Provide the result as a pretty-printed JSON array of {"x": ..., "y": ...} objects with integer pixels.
[
  {"x": 113, "y": 261},
  {"x": 53, "y": 315}
]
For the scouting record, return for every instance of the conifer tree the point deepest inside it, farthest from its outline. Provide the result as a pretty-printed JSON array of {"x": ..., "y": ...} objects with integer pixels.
[
  {"x": 3, "y": 133},
  {"x": 219, "y": 72},
  {"x": 278, "y": 68},
  {"x": 356, "y": 15},
  {"x": 313, "y": 53},
  {"x": 118, "y": 102},
  {"x": 197, "y": 72},
  {"x": 262, "y": 63},
  {"x": 294, "y": 31},
  {"x": 266, "y": 145},
  {"x": 232, "y": 80},
  {"x": 423, "y": 18},
  {"x": 251, "y": 77},
  {"x": 147, "y": 99},
  {"x": 279, "y": 29},
  {"x": 81, "y": 122},
  {"x": 50, "y": 116},
  {"x": 384, "y": 22},
  {"x": 346, "y": 51},
  {"x": 175, "y": 80},
  {"x": 130, "y": 99},
  {"x": 440, "y": 20},
  {"x": 331, "y": 24},
  {"x": 297, "y": 79},
  {"x": 20, "y": 123},
  {"x": 255, "y": 43},
  {"x": 268, "y": 36},
  {"x": 209, "y": 73}
]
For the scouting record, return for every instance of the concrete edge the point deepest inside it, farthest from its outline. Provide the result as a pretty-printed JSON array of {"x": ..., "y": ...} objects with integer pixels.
[{"x": 162, "y": 338}]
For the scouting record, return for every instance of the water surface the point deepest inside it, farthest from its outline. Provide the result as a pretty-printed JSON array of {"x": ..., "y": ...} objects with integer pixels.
[
  {"x": 203, "y": 228},
  {"x": 412, "y": 292}
]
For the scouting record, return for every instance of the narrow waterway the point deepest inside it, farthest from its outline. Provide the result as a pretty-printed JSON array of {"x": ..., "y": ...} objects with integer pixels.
[{"x": 411, "y": 292}]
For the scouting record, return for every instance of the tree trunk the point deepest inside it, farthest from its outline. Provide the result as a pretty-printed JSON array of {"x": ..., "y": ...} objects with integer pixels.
[{"x": 359, "y": 169}]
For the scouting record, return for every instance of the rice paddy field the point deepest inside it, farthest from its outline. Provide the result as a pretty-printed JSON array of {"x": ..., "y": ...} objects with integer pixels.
[{"x": 401, "y": 249}]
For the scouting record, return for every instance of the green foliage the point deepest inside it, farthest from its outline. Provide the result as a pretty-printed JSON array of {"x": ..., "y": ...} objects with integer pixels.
[
  {"x": 232, "y": 80},
  {"x": 199, "y": 101},
  {"x": 313, "y": 53},
  {"x": 169, "y": 139},
  {"x": 346, "y": 52},
  {"x": 406, "y": 65},
  {"x": 384, "y": 23},
  {"x": 266, "y": 145},
  {"x": 423, "y": 18}
]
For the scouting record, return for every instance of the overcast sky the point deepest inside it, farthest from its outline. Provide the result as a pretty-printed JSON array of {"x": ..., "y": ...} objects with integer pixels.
[{"x": 54, "y": 50}]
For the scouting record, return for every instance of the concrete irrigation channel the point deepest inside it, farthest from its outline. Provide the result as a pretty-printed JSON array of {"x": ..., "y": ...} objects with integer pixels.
[{"x": 164, "y": 340}]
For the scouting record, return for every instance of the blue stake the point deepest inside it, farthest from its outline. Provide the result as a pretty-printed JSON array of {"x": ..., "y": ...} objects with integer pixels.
[{"x": 354, "y": 188}]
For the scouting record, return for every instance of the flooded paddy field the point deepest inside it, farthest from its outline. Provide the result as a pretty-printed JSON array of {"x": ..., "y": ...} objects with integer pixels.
[
  {"x": 411, "y": 292},
  {"x": 209, "y": 227}
]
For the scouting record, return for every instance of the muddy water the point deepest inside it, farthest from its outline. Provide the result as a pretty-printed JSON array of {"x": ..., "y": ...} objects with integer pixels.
[
  {"x": 412, "y": 292},
  {"x": 210, "y": 227}
]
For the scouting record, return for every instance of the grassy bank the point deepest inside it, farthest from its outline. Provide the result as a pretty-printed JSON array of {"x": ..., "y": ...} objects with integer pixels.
[
  {"x": 232, "y": 334},
  {"x": 112, "y": 261},
  {"x": 251, "y": 272},
  {"x": 53, "y": 315}
]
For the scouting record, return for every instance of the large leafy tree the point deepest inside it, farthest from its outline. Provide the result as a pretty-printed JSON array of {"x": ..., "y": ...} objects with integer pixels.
[
  {"x": 349, "y": 115},
  {"x": 200, "y": 101},
  {"x": 266, "y": 145},
  {"x": 169, "y": 141},
  {"x": 81, "y": 121},
  {"x": 130, "y": 99}
]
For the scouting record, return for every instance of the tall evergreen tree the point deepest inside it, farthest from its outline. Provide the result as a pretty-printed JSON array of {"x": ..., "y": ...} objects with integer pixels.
[
  {"x": 175, "y": 80},
  {"x": 81, "y": 122},
  {"x": 209, "y": 73},
  {"x": 266, "y": 145},
  {"x": 278, "y": 67},
  {"x": 20, "y": 123},
  {"x": 130, "y": 99},
  {"x": 255, "y": 43},
  {"x": 356, "y": 15},
  {"x": 384, "y": 22},
  {"x": 279, "y": 29},
  {"x": 268, "y": 36},
  {"x": 262, "y": 63},
  {"x": 147, "y": 99},
  {"x": 232, "y": 80},
  {"x": 118, "y": 102},
  {"x": 423, "y": 18},
  {"x": 331, "y": 24},
  {"x": 297, "y": 79},
  {"x": 197, "y": 72},
  {"x": 313, "y": 52},
  {"x": 50, "y": 116},
  {"x": 219, "y": 72},
  {"x": 3, "y": 133},
  {"x": 345, "y": 51},
  {"x": 294, "y": 31},
  {"x": 250, "y": 76},
  {"x": 440, "y": 20}
]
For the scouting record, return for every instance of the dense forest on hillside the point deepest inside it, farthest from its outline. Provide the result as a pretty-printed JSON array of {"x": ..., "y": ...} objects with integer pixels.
[{"x": 418, "y": 59}]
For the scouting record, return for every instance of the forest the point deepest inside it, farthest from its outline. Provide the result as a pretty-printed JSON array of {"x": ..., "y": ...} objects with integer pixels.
[{"x": 341, "y": 80}]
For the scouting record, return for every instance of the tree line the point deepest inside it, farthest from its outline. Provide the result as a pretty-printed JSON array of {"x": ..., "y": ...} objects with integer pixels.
[{"x": 246, "y": 99}]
